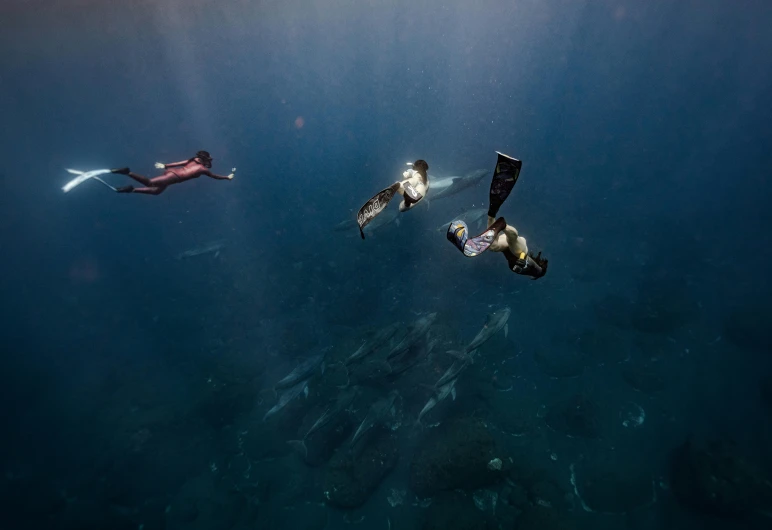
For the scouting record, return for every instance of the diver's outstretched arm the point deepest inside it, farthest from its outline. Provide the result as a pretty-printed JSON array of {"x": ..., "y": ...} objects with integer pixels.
[{"x": 219, "y": 177}]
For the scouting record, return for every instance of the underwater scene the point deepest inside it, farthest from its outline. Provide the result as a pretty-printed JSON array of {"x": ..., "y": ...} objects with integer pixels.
[{"x": 386, "y": 265}]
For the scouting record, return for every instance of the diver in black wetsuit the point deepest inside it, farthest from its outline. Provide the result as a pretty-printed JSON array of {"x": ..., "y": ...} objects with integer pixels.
[{"x": 499, "y": 236}]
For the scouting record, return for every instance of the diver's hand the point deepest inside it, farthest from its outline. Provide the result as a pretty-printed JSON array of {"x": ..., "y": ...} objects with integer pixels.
[
  {"x": 233, "y": 174},
  {"x": 159, "y": 165}
]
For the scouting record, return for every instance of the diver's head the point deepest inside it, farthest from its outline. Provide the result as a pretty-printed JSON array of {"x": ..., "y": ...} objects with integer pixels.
[
  {"x": 204, "y": 157},
  {"x": 421, "y": 166}
]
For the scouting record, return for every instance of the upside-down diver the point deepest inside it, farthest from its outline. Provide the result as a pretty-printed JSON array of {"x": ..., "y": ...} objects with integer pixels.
[{"x": 499, "y": 236}]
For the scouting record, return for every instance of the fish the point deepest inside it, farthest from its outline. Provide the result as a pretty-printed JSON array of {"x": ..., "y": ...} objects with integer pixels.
[
  {"x": 304, "y": 370},
  {"x": 379, "y": 412},
  {"x": 454, "y": 370},
  {"x": 341, "y": 404},
  {"x": 287, "y": 396},
  {"x": 370, "y": 346},
  {"x": 209, "y": 248},
  {"x": 416, "y": 353},
  {"x": 493, "y": 324},
  {"x": 478, "y": 216},
  {"x": 447, "y": 186},
  {"x": 440, "y": 393},
  {"x": 418, "y": 329}
]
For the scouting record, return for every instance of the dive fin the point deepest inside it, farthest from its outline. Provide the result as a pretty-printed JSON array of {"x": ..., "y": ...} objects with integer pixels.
[
  {"x": 453, "y": 393},
  {"x": 374, "y": 206},
  {"x": 477, "y": 245},
  {"x": 504, "y": 179}
]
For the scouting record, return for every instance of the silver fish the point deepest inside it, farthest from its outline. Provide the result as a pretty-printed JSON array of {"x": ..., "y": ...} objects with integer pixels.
[
  {"x": 417, "y": 330},
  {"x": 304, "y": 370},
  {"x": 445, "y": 187},
  {"x": 370, "y": 346},
  {"x": 287, "y": 396},
  {"x": 454, "y": 370},
  {"x": 342, "y": 403},
  {"x": 440, "y": 393},
  {"x": 379, "y": 412},
  {"x": 213, "y": 247},
  {"x": 493, "y": 324}
]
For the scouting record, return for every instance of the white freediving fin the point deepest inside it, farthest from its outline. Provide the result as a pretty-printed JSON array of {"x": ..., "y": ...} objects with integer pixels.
[{"x": 83, "y": 176}]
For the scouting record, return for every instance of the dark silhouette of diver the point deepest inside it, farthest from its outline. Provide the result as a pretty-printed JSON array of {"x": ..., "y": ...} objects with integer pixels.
[
  {"x": 175, "y": 173},
  {"x": 499, "y": 236}
]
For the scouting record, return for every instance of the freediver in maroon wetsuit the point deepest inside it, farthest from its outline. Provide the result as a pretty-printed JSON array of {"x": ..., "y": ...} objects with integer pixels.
[{"x": 180, "y": 172}]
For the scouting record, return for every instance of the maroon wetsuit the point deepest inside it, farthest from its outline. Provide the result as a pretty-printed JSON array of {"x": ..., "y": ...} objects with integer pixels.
[{"x": 185, "y": 170}]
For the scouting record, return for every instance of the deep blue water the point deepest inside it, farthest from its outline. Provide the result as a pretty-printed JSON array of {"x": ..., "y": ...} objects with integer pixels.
[{"x": 644, "y": 129}]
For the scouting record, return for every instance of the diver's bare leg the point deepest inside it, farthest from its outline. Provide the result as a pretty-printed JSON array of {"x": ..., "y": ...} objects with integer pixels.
[{"x": 151, "y": 190}]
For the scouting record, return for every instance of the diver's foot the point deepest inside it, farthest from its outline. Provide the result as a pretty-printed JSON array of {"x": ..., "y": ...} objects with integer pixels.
[
  {"x": 125, "y": 189},
  {"x": 120, "y": 171},
  {"x": 477, "y": 245},
  {"x": 533, "y": 266}
]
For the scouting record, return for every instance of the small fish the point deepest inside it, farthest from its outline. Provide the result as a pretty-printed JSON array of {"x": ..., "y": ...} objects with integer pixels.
[
  {"x": 453, "y": 371},
  {"x": 417, "y": 330},
  {"x": 440, "y": 393},
  {"x": 379, "y": 412},
  {"x": 287, "y": 396},
  {"x": 214, "y": 247},
  {"x": 494, "y": 322},
  {"x": 304, "y": 370},
  {"x": 372, "y": 345},
  {"x": 342, "y": 403}
]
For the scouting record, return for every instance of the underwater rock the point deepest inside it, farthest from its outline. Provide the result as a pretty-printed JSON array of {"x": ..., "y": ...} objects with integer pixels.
[
  {"x": 351, "y": 478},
  {"x": 613, "y": 485},
  {"x": 663, "y": 305},
  {"x": 643, "y": 379},
  {"x": 91, "y": 515},
  {"x": 517, "y": 496},
  {"x": 718, "y": 480},
  {"x": 454, "y": 511},
  {"x": 559, "y": 364},
  {"x": 299, "y": 516},
  {"x": 765, "y": 386},
  {"x": 455, "y": 456},
  {"x": 577, "y": 417},
  {"x": 749, "y": 328},
  {"x": 201, "y": 505},
  {"x": 603, "y": 346},
  {"x": 546, "y": 493},
  {"x": 283, "y": 481},
  {"x": 540, "y": 518},
  {"x": 615, "y": 310}
]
